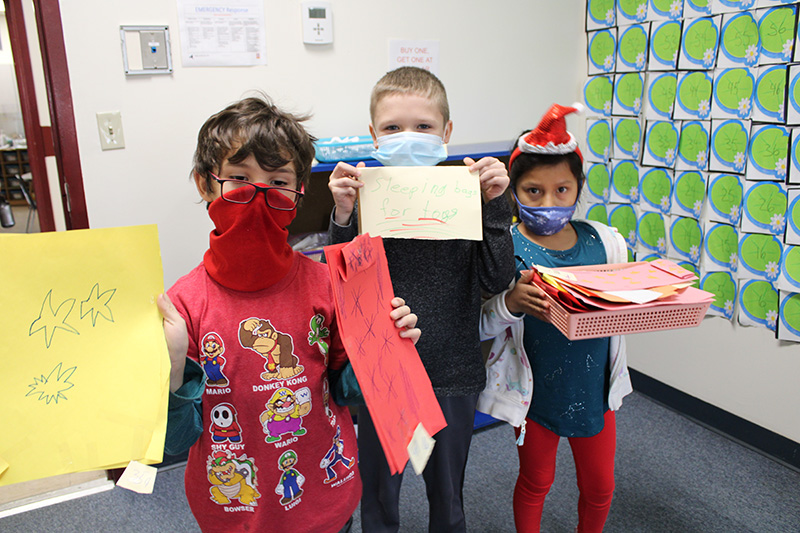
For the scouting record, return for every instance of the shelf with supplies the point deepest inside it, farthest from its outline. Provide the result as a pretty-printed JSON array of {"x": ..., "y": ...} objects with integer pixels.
[{"x": 13, "y": 162}]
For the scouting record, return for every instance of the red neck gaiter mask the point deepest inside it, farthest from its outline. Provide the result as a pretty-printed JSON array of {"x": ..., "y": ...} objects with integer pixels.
[{"x": 248, "y": 249}]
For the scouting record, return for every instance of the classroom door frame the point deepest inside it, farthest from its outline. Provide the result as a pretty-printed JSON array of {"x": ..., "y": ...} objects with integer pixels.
[{"x": 60, "y": 139}]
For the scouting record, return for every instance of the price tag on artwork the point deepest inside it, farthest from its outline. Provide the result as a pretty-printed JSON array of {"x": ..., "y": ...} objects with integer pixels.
[{"x": 420, "y": 449}]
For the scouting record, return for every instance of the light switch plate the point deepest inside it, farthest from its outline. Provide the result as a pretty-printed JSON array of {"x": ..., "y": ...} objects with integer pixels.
[{"x": 110, "y": 128}]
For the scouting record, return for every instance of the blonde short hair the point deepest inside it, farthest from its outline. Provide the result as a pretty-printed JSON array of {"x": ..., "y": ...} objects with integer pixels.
[{"x": 410, "y": 80}]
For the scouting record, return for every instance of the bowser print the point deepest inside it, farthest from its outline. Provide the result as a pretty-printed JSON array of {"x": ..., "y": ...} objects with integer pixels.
[{"x": 232, "y": 478}]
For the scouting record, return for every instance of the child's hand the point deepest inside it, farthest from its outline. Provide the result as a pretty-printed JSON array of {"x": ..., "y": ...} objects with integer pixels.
[
  {"x": 493, "y": 176},
  {"x": 527, "y": 298},
  {"x": 405, "y": 320},
  {"x": 343, "y": 183},
  {"x": 177, "y": 340}
]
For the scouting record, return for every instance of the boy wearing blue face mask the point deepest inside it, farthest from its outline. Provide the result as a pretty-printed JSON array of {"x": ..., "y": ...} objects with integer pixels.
[
  {"x": 442, "y": 281},
  {"x": 562, "y": 388}
]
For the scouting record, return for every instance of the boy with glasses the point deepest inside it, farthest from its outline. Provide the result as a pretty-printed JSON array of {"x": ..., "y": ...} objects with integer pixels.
[{"x": 262, "y": 429}]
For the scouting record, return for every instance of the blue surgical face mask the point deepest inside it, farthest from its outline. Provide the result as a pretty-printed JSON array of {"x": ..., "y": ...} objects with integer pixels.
[
  {"x": 545, "y": 220},
  {"x": 410, "y": 149}
]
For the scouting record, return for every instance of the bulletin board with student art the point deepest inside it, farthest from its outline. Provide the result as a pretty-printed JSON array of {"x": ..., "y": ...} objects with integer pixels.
[{"x": 693, "y": 145}]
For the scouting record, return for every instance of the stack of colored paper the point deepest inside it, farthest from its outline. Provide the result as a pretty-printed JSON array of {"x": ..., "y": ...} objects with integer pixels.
[
  {"x": 627, "y": 292},
  {"x": 643, "y": 284}
]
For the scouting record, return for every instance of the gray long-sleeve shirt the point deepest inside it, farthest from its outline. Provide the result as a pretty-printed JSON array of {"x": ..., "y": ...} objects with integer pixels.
[{"x": 441, "y": 281}]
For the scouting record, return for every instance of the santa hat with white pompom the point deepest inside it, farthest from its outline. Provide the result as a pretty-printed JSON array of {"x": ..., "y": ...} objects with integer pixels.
[{"x": 550, "y": 136}]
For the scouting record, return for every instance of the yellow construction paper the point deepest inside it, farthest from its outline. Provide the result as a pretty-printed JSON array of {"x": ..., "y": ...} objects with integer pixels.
[
  {"x": 87, "y": 375},
  {"x": 3, "y": 466}
]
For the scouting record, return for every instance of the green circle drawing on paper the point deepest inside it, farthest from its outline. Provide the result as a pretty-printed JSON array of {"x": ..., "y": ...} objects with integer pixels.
[
  {"x": 662, "y": 5},
  {"x": 733, "y": 86},
  {"x": 791, "y": 263},
  {"x": 687, "y": 236},
  {"x": 690, "y": 190},
  {"x": 629, "y": 88},
  {"x": 601, "y": 46},
  {"x": 598, "y": 213},
  {"x": 725, "y": 193},
  {"x": 757, "y": 250},
  {"x": 599, "y": 8},
  {"x": 722, "y": 243},
  {"x": 730, "y": 139},
  {"x": 598, "y": 180},
  {"x": 764, "y": 201},
  {"x": 695, "y": 87},
  {"x": 625, "y": 177},
  {"x": 632, "y": 43},
  {"x": 794, "y": 214},
  {"x": 700, "y": 36},
  {"x": 666, "y": 40},
  {"x": 599, "y": 92},
  {"x": 759, "y": 298},
  {"x": 694, "y": 140},
  {"x": 629, "y": 7},
  {"x": 624, "y": 219},
  {"x": 791, "y": 312},
  {"x": 656, "y": 186},
  {"x": 740, "y": 34},
  {"x": 771, "y": 90},
  {"x": 769, "y": 146},
  {"x": 776, "y": 28},
  {"x": 652, "y": 232},
  {"x": 627, "y": 132},
  {"x": 662, "y": 138},
  {"x": 599, "y": 137},
  {"x": 722, "y": 286},
  {"x": 662, "y": 93}
]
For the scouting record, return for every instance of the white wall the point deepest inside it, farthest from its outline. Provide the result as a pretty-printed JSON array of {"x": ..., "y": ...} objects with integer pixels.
[
  {"x": 496, "y": 82},
  {"x": 503, "y": 64}
]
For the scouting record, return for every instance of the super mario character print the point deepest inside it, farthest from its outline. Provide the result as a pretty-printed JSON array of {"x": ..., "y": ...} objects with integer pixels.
[
  {"x": 275, "y": 347},
  {"x": 317, "y": 334},
  {"x": 212, "y": 361},
  {"x": 224, "y": 425},
  {"x": 335, "y": 455},
  {"x": 232, "y": 478},
  {"x": 291, "y": 480},
  {"x": 285, "y": 412}
]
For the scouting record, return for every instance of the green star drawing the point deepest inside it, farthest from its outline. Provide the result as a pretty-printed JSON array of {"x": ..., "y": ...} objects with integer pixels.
[
  {"x": 97, "y": 304},
  {"x": 50, "y": 320}
]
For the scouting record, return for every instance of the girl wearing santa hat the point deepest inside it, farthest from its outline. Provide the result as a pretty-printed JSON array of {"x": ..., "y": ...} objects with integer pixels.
[{"x": 539, "y": 381}]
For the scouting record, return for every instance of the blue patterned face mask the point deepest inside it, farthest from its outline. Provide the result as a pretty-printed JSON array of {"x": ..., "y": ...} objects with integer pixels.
[
  {"x": 545, "y": 220},
  {"x": 410, "y": 149}
]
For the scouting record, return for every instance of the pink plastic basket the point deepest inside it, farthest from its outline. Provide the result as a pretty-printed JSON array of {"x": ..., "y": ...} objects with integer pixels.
[{"x": 593, "y": 324}]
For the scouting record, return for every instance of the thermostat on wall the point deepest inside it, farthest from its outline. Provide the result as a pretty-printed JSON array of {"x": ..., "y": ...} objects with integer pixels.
[{"x": 317, "y": 22}]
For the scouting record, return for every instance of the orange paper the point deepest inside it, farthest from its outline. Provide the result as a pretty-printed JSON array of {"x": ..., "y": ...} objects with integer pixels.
[{"x": 393, "y": 381}]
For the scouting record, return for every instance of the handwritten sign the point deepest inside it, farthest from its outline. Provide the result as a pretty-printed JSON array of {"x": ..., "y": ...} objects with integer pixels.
[
  {"x": 420, "y": 203},
  {"x": 395, "y": 385},
  {"x": 86, "y": 378}
]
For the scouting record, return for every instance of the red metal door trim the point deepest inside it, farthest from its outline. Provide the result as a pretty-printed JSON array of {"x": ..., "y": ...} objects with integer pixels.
[{"x": 37, "y": 147}]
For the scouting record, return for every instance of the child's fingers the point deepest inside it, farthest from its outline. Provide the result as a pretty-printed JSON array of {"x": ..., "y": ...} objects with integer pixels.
[
  {"x": 407, "y": 321},
  {"x": 412, "y": 334},
  {"x": 397, "y": 302},
  {"x": 343, "y": 169}
]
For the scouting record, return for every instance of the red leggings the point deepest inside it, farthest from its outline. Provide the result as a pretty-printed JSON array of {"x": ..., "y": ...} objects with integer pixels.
[{"x": 594, "y": 465}]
